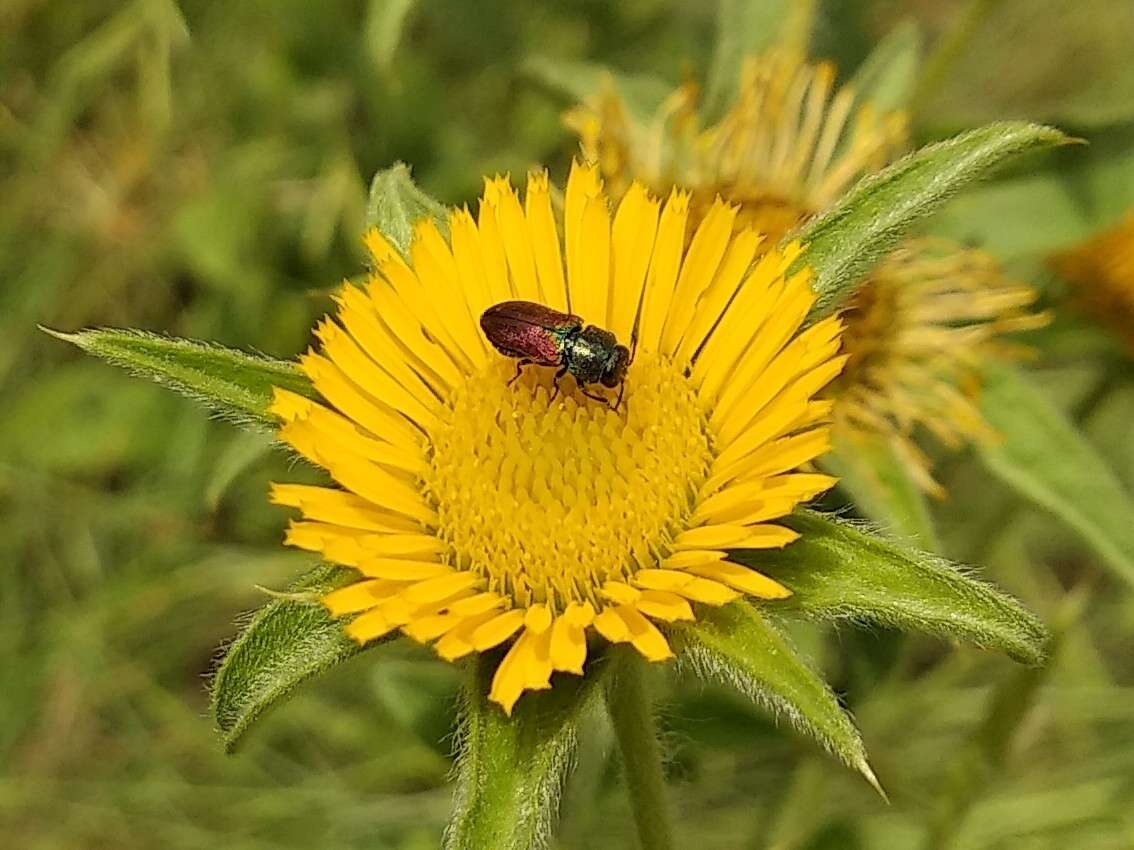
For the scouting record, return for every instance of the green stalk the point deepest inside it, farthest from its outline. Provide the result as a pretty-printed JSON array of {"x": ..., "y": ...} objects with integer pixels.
[{"x": 633, "y": 719}]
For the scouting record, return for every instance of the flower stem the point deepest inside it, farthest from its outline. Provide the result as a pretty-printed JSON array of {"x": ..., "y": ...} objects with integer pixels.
[{"x": 633, "y": 719}]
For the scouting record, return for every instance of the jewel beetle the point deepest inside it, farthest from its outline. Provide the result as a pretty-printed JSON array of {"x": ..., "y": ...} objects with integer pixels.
[{"x": 538, "y": 335}]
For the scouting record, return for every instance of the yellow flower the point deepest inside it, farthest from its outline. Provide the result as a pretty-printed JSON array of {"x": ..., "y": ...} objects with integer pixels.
[
  {"x": 916, "y": 337},
  {"x": 788, "y": 148},
  {"x": 478, "y": 510},
  {"x": 1102, "y": 271}
]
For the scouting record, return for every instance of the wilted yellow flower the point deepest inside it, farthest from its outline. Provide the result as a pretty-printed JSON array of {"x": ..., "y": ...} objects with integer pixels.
[
  {"x": 478, "y": 510},
  {"x": 789, "y": 147},
  {"x": 916, "y": 337},
  {"x": 1102, "y": 271}
]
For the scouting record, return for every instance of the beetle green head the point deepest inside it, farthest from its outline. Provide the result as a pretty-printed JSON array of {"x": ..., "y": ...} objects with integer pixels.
[{"x": 615, "y": 370}]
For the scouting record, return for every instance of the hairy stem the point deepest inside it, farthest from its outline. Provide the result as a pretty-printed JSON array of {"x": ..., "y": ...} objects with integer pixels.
[{"x": 633, "y": 719}]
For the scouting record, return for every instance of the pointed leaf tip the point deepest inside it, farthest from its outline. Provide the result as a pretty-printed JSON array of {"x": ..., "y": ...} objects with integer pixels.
[
  {"x": 234, "y": 384},
  {"x": 836, "y": 570},
  {"x": 847, "y": 240},
  {"x": 396, "y": 204},
  {"x": 738, "y": 647}
]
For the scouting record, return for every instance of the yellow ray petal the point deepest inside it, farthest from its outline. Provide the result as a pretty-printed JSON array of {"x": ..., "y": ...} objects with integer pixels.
[
  {"x": 583, "y": 184},
  {"x": 441, "y": 284},
  {"x": 356, "y": 312},
  {"x": 655, "y": 579},
  {"x": 511, "y": 676},
  {"x": 743, "y": 579},
  {"x": 440, "y": 587},
  {"x": 545, "y": 241},
  {"x": 632, "y": 243},
  {"x": 423, "y": 546},
  {"x": 492, "y": 248},
  {"x": 429, "y": 358},
  {"x": 619, "y": 592},
  {"x": 766, "y": 536},
  {"x": 612, "y": 627},
  {"x": 644, "y": 635},
  {"x": 469, "y": 259},
  {"x": 369, "y": 626},
  {"x": 517, "y": 243},
  {"x": 590, "y": 289},
  {"x": 708, "y": 591},
  {"x": 402, "y": 569},
  {"x": 497, "y": 630},
  {"x": 662, "y": 275},
  {"x": 378, "y": 419},
  {"x": 663, "y": 605},
  {"x": 353, "y": 361},
  {"x": 719, "y": 294},
  {"x": 697, "y": 271},
  {"x": 568, "y": 646},
  {"x": 457, "y": 642},
  {"x": 360, "y": 596},
  {"x": 709, "y": 537},
  {"x": 336, "y": 507}
]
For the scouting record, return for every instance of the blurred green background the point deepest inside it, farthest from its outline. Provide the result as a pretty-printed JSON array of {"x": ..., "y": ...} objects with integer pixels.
[{"x": 200, "y": 169}]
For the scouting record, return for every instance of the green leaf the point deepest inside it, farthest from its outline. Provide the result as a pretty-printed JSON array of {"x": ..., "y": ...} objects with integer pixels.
[
  {"x": 878, "y": 480},
  {"x": 232, "y": 383},
  {"x": 581, "y": 81},
  {"x": 836, "y": 570},
  {"x": 511, "y": 770},
  {"x": 739, "y": 647},
  {"x": 846, "y": 242},
  {"x": 888, "y": 76},
  {"x": 746, "y": 28},
  {"x": 287, "y": 642},
  {"x": 396, "y": 204},
  {"x": 1045, "y": 459}
]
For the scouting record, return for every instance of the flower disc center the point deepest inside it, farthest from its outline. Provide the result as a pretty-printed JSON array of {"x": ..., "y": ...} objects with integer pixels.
[{"x": 548, "y": 500}]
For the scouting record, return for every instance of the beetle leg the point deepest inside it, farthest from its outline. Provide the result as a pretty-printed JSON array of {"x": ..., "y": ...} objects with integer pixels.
[
  {"x": 621, "y": 390},
  {"x": 519, "y": 370},
  {"x": 559, "y": 373},
  {"x": 601, "y": 398}
]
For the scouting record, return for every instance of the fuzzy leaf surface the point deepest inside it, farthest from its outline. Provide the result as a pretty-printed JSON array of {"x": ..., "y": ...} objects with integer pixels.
[
  {"x": 511, "y": 770},
  {"x": 396, "y": 204},
  {"x": 234, "y": 384},
  {"x": 287, "y": 642},
  {"x": 847, "y": 241},
  {"x": 837, "y": 570},
  {"x": 737, "y": 646},
  {"x": 1049, "y": 462}
]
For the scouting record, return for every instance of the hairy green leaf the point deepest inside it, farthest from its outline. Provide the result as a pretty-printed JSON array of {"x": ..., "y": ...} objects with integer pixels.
[
  {"x": 737, "y": 646},
  {"x": 837, "y": 570},
  {"x": 396, "y": 204},
  {"x": 888, "y": 76},
  {"x": 288, "y": 641},
  {"x": 847, "y": 241},
  {"x": 1045, "y": 459},
  {"x": 745, "y": 28},
  {"x": 232, "y": 383},
  {"x": 511, "y": 770},
  {"x": 878, "y": 480}
]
